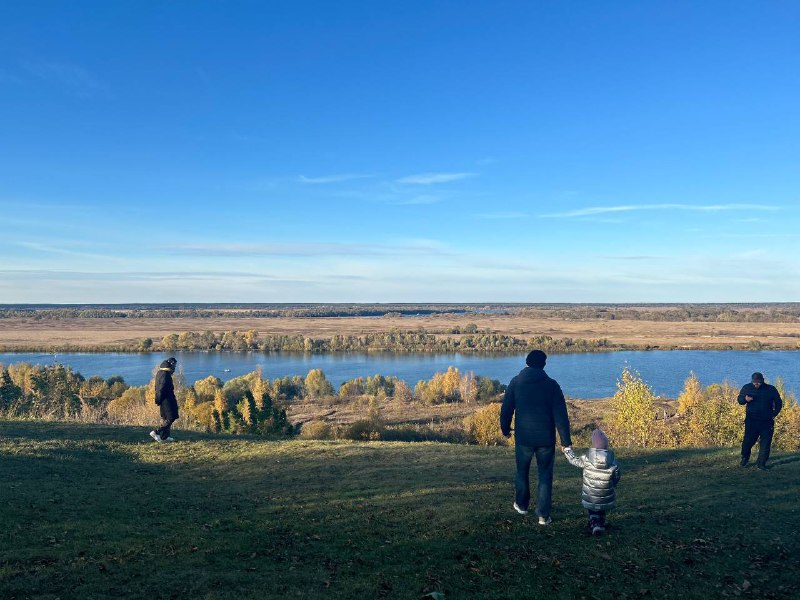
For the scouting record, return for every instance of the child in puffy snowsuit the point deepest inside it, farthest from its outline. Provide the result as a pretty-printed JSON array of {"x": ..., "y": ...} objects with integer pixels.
[{"x": 600, "y": 476}]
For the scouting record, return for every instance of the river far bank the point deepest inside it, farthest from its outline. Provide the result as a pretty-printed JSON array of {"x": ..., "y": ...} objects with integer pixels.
[{"x": 33, "y": 334}]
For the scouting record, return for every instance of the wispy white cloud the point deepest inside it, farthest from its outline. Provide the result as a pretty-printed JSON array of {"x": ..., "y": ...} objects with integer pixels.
[
  {"x": 68, "y": 274},
  {"x": 339, "y": 178},
  {"x": 599, "y": 210},
  {"x": 433, "y": 178},
  {"x": 73, "y": 78},
  {"x": 412, "y": 247},
  {"x": 51, "y": 249}
]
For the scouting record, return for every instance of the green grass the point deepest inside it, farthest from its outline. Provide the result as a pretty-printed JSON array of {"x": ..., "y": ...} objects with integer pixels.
[{"x": 93, "y": 512}]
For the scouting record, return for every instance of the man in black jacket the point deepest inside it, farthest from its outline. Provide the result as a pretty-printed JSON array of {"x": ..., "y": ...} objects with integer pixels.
[
  {"x": 763, "y": 404},
  {"x": 165, "y": 398},
  {"x": 540, "y": 408}
]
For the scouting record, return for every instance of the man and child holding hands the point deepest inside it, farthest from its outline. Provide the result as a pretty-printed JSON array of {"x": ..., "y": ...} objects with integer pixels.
[{"x": 540, "y": 409}]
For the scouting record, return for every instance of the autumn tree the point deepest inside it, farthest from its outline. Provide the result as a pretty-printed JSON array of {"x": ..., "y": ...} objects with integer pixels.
[
  {"x": 317, "y": 385},
  {"x": 633, "y": 417},
  {"x": 207, "y": 388},
  {"x": 402, "y": 392},
  {"x": 691, "y": 396},
  {"x": 10, "y": 392},
  {"x": 787, "y": 423}
]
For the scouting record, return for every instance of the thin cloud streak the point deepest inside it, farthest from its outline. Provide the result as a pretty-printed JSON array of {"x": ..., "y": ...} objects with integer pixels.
[
  {"x": 599, "y": 210},
  {"x": 74, "y": 78},
  {"x": 66, "y": 275},
  {"x": 419, "y": 248},
  {"x": 332, "y": 178},
  {"x": 433, "y": 178},
  {"x": 46, "y": 249}
]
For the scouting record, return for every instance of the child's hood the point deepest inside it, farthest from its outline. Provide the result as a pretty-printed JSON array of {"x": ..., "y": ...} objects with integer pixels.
[{"x": 600, "y": 458}]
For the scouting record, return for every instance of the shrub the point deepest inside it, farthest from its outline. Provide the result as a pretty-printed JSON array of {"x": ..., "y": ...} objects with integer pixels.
[
  {"x": 633, "y": 418},
  {"x": 483, "y": 426},
  {"x": 787, "y": 423},
  {"x": 363, "y": 430},
  {"x": 202, "y": 414},
  {"x": 715, "y": 419},
  {"x": 132, "y": 408},
  {"x": 316, "y": 430},
  {"x": 449, "y": 432},
  {"x": 450, "y": 386}
]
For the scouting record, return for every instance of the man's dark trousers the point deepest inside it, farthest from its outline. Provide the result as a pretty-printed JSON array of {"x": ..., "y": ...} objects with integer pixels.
[
  {"x": 545, "y": 456},
  {"x": 753, "y": 430},
  {"x": 166, "y": 424}
]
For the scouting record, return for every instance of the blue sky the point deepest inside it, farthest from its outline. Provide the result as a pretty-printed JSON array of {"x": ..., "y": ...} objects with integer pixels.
[{"x": 390, "y": 151}]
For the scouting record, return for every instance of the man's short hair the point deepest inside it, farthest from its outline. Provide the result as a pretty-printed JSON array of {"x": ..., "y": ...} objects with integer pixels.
[
  {"x": 536, "y": 358},
  {"x": 757, "y": 377}
]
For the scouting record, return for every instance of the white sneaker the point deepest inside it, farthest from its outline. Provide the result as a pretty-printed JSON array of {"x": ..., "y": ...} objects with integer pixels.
[
  {"x": 155, "y": 436},
  {"x": 598, "y": 530},
  {"x": 519, "y": 510},
  {"x": 545, "y": 520}
]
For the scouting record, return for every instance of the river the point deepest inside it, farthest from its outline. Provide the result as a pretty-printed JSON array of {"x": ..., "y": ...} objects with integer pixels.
[{"x": 591, "y": 375}]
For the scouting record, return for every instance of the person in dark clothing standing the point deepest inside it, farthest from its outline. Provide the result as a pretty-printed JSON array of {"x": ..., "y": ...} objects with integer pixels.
[
  {"x": 763, "y": 404},
  {"x": 540, "y": 409},
  {"x": 165, "y": 398}
]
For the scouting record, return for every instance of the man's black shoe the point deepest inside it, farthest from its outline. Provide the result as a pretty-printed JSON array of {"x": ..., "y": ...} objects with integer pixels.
[
  {"x": 744, "y": 462},
  {"x": 762, "y": 467}
]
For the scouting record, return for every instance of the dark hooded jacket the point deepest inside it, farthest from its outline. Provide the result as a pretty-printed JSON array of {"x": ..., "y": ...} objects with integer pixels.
[
  {"x": 540, "y": 409},
  {"x": 165, "y": 391},
  {"x": 600, "y": 476},
  {"x": 766, "y": 403}
]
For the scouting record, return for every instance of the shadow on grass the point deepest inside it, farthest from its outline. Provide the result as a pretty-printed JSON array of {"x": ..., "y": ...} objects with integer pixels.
[
  {"x": 91, "y": 511},
  {"x": 784, "y": 460}
]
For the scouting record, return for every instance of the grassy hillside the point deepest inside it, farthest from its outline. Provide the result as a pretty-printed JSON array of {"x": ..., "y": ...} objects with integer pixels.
[{"x": 94, "y": 512}]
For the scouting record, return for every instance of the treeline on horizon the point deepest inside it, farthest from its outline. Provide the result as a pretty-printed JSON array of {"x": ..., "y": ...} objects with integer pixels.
[
  {"x": 468, "y": 340},
  {"x": 706, "y": 416},
  {"x": 723, "y": 313},
  {"x": 267, "y": 311}
]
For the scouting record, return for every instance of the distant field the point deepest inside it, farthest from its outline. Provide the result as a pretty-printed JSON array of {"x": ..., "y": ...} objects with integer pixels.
[
  {"x": 27, "y": 332},
  {"x": 99, "y": 512}
]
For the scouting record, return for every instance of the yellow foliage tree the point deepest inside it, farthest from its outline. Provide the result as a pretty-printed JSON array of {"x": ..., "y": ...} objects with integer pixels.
[
  {"x": 691, "y": 395},
  {"x": 207, "y": 388},
  {"x": 787, "y": 423},
  {"x": 633, "y": 417},
  {"x": 451, "y": 383},
  {"x": 716, "y": 418},
  {"x": 317, "y": 385},
  {"x": 220, "y": 402},
  {"x": 260, "y": 389},
  {"x": 484, "y": 426}
]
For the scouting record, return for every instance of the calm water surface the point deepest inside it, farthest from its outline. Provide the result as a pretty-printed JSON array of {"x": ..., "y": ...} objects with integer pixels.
[{"x": 581, "y": 375}]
